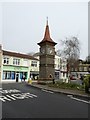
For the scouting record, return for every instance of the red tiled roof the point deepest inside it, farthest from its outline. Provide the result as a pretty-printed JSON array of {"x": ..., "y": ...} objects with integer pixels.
[
  {"x": 20, "y": 55},
  {"x": 47, "y": 37}
]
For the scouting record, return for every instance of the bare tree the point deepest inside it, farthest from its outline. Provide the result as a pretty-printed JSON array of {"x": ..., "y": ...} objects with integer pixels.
[{"x": 70, "y": 52}]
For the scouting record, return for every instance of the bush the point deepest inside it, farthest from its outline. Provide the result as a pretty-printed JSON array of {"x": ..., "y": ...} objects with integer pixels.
[
  {"x": 66, "y": 85},
  {"x": 87, "y": 83}
]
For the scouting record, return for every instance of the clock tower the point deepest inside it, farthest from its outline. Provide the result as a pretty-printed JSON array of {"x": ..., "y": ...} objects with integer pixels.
[{"x": 47, "y": 55}]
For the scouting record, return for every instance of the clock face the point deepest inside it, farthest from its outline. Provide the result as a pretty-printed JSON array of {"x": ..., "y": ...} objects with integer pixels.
[
  {"x": 50, "y": 51},
  {"x": 42, "y": 50}
]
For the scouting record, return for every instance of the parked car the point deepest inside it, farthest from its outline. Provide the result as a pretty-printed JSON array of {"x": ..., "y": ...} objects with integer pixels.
[{"x": 73, "y": 77}]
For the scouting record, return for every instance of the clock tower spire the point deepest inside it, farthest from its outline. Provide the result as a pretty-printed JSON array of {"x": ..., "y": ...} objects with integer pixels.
[
  {"x": 47, "y": 37},
  {"x": 47, "y": 55},
  {"x": 47, "y": 20}
]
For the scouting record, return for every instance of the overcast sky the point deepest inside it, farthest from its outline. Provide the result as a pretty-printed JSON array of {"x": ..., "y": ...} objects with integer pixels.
[{"x": 22, "y": 24}]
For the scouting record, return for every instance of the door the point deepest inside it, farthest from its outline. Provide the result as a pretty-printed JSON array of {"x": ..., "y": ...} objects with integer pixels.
[{"x": 17, "y": 77}]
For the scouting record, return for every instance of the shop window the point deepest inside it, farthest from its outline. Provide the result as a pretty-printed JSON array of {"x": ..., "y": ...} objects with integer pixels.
[
  {"x": 6, "y": 75},
  {"x": 12, "y": 75}
]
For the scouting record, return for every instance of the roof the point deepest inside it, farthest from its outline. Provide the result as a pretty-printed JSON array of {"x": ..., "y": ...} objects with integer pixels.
[
  {"x": 20, "y": 55},
  {"x": 47, "y": 37}
]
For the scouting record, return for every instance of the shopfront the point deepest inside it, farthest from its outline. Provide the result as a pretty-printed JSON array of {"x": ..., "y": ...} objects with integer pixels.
[
  {"x": 11, "y": 72},
  {"x": 34, "y": 75}
]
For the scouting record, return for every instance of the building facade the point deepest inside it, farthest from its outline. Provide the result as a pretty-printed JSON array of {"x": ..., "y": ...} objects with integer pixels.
[
  {"x": 16, "y": 64},
  {"x": 83, "y": 68}
]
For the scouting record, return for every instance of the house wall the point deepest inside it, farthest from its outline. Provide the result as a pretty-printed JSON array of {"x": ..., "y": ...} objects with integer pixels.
[{"x": 10, "y": 70}]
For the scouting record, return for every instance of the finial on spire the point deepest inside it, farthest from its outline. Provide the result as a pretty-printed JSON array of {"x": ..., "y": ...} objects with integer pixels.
[{"x": 47, "y": 20}]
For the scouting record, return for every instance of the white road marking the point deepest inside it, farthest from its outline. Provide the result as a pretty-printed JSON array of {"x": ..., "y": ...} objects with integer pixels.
[
  {"x": 3, "y": 98},
  {"x": 47, "y": 91},
  {"x": 71, "y": 96},
  {"x": 33, "y": 95},
  {"x": 10, "y": 97},
  {"x": 14, "y": 94},
  {"x": 88, "y": 102},
  {"x": 9, "y": 91},
  {"x": 22, "y": 96}
]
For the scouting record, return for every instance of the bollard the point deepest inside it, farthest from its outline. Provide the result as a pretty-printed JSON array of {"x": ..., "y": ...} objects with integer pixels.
[{"x": 30, "y": 81}]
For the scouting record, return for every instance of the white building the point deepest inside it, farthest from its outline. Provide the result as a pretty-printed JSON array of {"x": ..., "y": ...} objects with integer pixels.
[
  {"x": 14, "y": 65},
  {"x": 63, "y": 70}
]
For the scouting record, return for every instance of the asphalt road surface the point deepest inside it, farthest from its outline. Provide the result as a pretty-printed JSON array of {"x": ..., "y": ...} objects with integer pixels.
[{"x": 20, "y": 100}]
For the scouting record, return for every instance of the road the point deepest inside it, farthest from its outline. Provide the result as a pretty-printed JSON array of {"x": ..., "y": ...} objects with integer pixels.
[{"x": 20, "y": 100}]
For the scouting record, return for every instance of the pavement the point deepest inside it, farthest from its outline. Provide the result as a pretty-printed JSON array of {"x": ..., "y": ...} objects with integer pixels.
[{"x": 75, "y": 93}]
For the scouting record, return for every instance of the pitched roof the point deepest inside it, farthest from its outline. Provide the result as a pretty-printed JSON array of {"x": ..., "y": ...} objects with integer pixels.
[
  {"x": 20, "y": 55},
  {"x": 47, "y": 37},
  {"x": 47, "y": 34}
]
